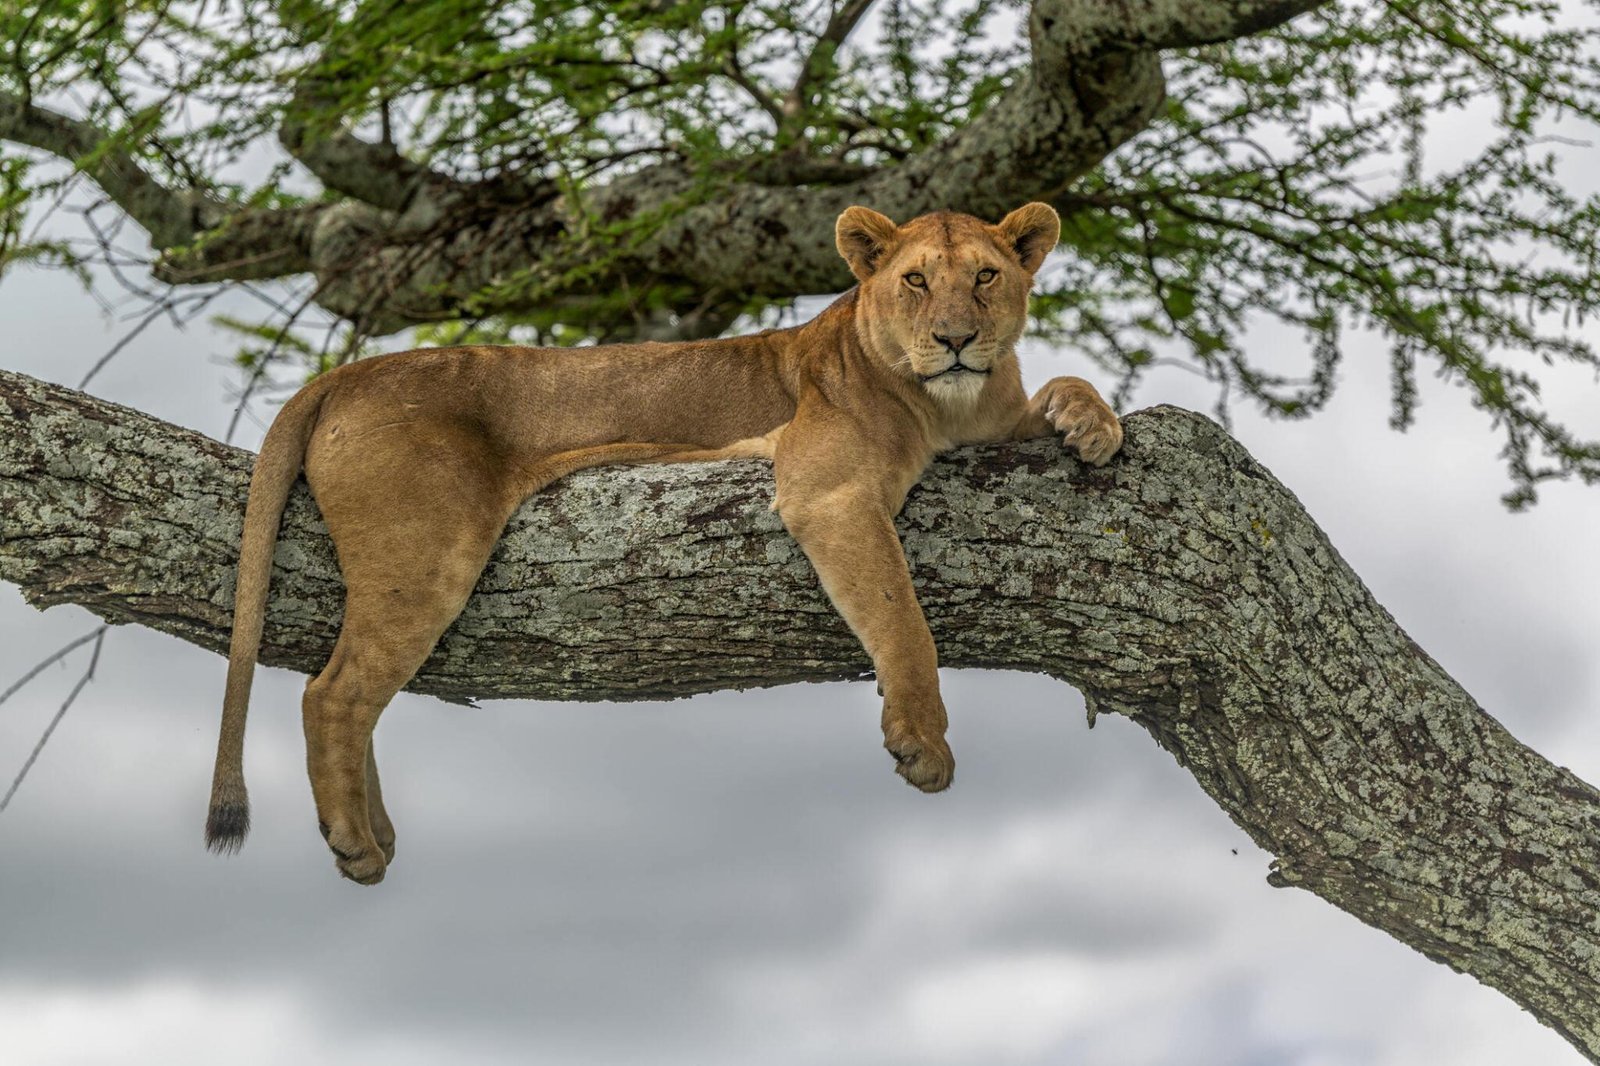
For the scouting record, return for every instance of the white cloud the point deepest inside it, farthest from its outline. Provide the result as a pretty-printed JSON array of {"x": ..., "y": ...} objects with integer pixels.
[{"x": 173, "y": 1022}]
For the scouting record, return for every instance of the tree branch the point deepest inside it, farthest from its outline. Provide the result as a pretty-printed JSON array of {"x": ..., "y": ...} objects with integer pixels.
[
  {"x": 169, "y": 216},
  {"x": 1182, "y": 586},
  {"x": 387, "y": 258},
  {"x": 1157, "y": 25},
  {"x": 218, "y": 241},
  {"x": 758, "y": 95},
  {"x": 820, "y": 59},
  {"x": 252, "y": 243},
  {"x": 376, "y": 174}
]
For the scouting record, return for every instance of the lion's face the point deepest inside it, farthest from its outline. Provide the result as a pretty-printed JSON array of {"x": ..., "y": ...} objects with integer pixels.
[{"x": 945, "y": 296}]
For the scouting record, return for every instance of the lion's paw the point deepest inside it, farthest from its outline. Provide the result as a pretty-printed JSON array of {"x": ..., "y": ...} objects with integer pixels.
[
  {"x": 1085, "y": 421},
  {"x": 362, "y": 861},
  {"x": 924, "y": 761}
]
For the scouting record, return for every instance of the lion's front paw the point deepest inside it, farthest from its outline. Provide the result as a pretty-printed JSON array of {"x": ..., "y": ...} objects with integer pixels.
[
  {"x": 1085, "y": 421},
  {"x": 922, "y": 758}
]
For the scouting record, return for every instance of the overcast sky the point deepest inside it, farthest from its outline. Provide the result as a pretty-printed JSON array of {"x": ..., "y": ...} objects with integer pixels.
[{"x": 740, "y": 878}]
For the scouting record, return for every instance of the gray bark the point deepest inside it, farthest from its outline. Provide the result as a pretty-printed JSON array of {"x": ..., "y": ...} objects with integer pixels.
[{"x": 1182, "y": 586}]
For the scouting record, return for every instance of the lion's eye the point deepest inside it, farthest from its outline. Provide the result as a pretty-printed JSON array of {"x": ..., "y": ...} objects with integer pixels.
[
  {"x": 986, "y": 275},
  {"x": 916, "y": 281}
]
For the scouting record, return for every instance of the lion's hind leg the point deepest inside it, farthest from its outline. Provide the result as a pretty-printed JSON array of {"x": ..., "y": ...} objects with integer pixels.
[
  {"x": 411, "y": 548},
  {"x": 388, "y": 632}
]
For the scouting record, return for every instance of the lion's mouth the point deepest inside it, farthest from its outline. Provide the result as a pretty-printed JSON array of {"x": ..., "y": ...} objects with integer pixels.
[{"x": 957, "y": 367}]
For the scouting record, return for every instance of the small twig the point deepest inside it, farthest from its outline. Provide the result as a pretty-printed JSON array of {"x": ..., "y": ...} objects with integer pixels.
[
  {"x": 819, "y": 63},
  {"x": 99, "y": 637},
  {"x": 259, "y": 371},
  {"x": 736, "y": 73},
  {"x": 59, "y": 654},
  {"x": 166, "y": 306}
]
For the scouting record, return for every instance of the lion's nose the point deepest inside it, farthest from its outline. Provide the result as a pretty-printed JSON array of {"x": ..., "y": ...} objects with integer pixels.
[{"x": 955, "y": 344}]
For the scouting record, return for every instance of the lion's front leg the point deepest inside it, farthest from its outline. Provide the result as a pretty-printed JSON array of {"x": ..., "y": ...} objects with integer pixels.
[
  {"x": 849, "y": 536},
  {"x": 1073, "y": 408}
]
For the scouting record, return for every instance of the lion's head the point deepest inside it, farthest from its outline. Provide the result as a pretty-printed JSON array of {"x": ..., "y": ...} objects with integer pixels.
[{"x": 945, "y": 297}]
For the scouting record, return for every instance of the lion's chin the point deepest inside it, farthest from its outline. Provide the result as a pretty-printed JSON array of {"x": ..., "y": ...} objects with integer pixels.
[{"x": 960, "y": 389}]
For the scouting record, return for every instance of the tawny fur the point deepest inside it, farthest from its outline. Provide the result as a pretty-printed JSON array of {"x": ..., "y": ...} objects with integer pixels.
[{"x": 418, "y": 459}]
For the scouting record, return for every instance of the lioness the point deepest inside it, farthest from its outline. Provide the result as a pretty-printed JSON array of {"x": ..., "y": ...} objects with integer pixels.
[{"x": 418, "y": 459}]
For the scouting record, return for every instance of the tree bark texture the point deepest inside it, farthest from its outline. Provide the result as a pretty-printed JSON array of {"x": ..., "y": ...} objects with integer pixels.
[{"x": 1181, "y": 585}]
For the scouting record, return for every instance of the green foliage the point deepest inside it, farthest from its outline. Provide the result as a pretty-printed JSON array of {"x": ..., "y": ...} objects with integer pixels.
[
  {"x": 1296, "y": 180},
  {"x": 1299, "y": 179},
  {"x": 17, "y": 245}
]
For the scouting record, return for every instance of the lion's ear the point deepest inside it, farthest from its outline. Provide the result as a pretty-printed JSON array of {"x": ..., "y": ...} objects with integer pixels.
[
  {"x": 1032, "y": 230},
  {"x": 862, "y": 236}
]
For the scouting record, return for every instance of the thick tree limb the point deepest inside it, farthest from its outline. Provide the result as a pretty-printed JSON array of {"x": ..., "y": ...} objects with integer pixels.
[
  {"x": 168, "y": 216},
  {"x": 1098, "y": 26},
  {"x": 1182, "y": 586},
  {"x": 387, "y": 257},
  {"x": 377, "y": 174},
  {"x": 230, "y": 242}
]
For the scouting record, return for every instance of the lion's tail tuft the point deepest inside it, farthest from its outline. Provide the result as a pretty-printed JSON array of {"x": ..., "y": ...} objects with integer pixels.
[{"x": 228, "y": 822}]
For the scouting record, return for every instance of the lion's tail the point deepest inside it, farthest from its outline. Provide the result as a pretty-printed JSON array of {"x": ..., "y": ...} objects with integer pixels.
[{"x": 282, "y": 453}]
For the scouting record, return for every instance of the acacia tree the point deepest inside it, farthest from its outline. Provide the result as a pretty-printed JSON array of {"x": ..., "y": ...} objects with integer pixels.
[{"x": 561, "y": 172}]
